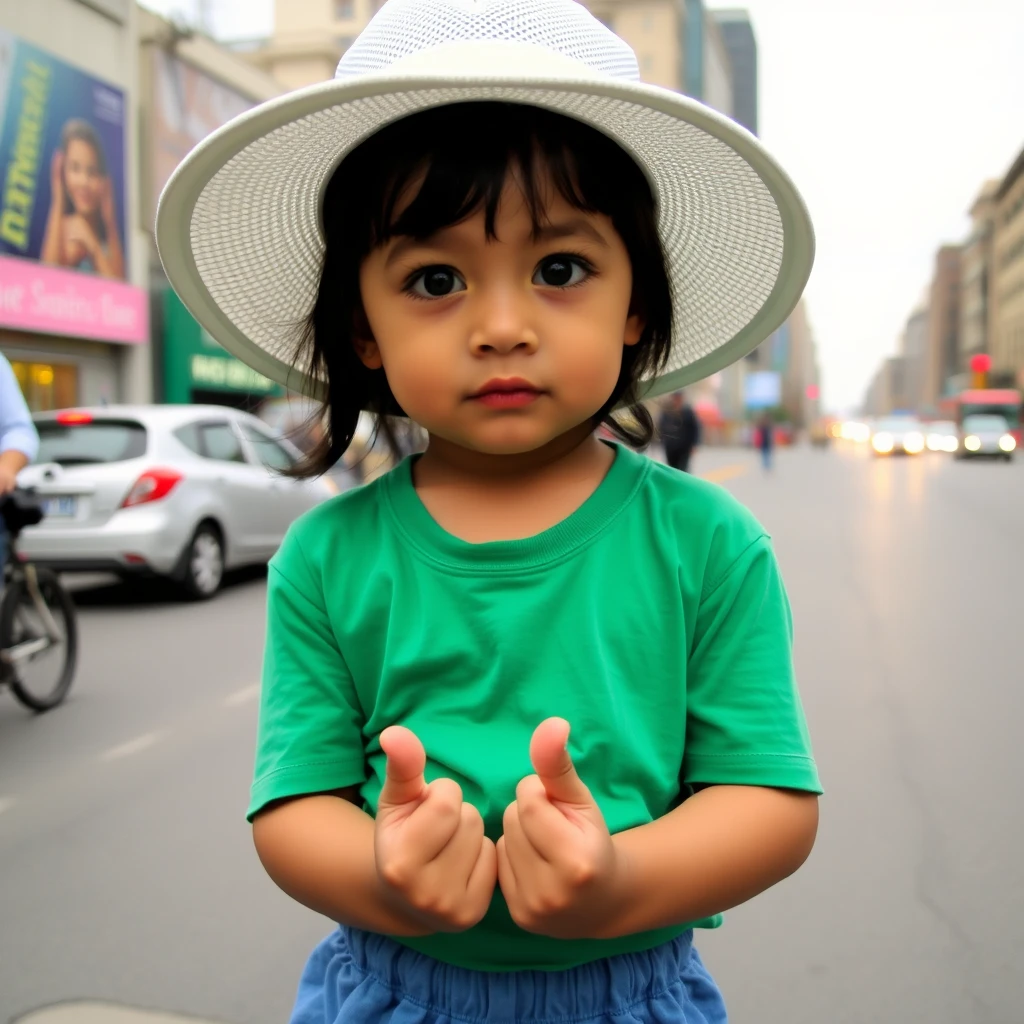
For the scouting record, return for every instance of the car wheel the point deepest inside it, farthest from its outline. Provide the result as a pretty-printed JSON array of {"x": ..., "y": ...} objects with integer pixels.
[{"x": 203, "y": 569}]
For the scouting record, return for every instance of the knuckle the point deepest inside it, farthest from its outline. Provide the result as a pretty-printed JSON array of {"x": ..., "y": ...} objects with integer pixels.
[
  {"x": 510, "y": 816},
  {"x": 581, "y": 872},
  {"x": 395, "y": 873}
]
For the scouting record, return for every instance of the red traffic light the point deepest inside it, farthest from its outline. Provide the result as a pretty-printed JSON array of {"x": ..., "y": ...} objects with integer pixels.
[
  {"x": 981, "y": 363},
  {"x": 813, "y": 391}
]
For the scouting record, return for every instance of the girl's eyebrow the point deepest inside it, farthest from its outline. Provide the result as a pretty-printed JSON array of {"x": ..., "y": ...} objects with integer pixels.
[
  {"x": 549, "y": 232},
  {"x": 568, "y": 229}
]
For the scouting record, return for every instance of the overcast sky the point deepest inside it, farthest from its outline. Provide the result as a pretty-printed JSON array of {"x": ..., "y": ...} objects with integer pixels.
[{"x": 889, "y": 115}]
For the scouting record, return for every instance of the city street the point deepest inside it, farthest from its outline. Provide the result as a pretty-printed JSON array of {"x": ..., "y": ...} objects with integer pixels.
[{"x": 128, "y": 877}]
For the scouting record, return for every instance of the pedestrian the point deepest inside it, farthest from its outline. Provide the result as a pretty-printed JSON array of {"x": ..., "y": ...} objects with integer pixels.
[
  {"x": 766, "y": 441},
  {"x": 528, "y": 714},
  {"x": 679, "y": 430},
  {"x": 19, "y": 442}
]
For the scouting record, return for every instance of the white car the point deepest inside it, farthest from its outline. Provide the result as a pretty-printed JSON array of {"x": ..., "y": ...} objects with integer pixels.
[
  {"x": 986, "y": 436},
  {"x": 898, "y": 436},
  {"x": 179, "y": 491},
  {"x": 943, "y": 436}
]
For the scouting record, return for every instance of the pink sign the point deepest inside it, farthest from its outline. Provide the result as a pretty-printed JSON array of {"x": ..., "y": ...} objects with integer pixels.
[{"x": 34, "y": 297}]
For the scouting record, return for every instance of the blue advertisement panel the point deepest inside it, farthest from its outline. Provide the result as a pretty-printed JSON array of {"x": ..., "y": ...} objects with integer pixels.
[
  {"x": 762, "y": 390},
  {"x": 62, "y": 163}
]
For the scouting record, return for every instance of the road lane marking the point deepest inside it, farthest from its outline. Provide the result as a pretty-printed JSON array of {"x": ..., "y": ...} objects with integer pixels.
[
  {"x": 6, "y": 803},
  {"x": 723, "y": 473},
  {"x": 135, "y": 746},
  {"x": 242, "y": 696}
]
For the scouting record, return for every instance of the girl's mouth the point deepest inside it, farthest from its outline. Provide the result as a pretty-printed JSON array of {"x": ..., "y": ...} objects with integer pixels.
[{"x": 509, "y": 393}]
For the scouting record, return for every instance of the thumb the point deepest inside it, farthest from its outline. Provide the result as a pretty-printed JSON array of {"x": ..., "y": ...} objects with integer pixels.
[
  {"x": 549, "y": 755},
  {"x": 406, "y": 760}
]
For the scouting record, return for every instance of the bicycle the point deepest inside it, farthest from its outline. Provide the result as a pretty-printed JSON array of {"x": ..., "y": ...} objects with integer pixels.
[{"x": 38, "y": 625}]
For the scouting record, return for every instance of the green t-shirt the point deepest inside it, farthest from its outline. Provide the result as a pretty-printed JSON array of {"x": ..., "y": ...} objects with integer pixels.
[{"x": 654, "y": 619}]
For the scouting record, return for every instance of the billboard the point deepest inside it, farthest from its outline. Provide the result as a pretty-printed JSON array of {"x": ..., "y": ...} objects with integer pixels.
[
  {"x": 762, "y": 390},
  {"x": 187, "y": 106},
  {"x": 62, "y": 163}
]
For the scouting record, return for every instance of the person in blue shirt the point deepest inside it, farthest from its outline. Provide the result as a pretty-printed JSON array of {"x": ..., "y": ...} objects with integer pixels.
[{"x": 19, "y": 442}]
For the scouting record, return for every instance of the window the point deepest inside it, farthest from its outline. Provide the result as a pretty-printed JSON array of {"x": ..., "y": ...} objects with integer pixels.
[
  {"x": 268, "y": 451},
  {"x": 90, "y": 443},
  {"x": 220, "y": 442},
  {"x": 188, "y": 435},
  {"x": 344, "y": 10}
]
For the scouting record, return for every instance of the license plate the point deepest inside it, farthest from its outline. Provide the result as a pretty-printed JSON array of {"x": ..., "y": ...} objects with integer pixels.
[{"x": 60, "y": 508}]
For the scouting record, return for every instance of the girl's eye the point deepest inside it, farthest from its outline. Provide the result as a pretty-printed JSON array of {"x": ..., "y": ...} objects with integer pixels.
[
  {"x": 562, "y": 271},
  {"x": 435, "y": 283}
]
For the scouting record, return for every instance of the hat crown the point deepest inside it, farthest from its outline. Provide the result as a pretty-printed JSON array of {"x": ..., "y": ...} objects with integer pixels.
[{"x": 403, "y": 28}]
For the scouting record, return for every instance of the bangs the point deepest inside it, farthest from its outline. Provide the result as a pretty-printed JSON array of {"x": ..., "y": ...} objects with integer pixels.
[{"x": 458, "y": 158}]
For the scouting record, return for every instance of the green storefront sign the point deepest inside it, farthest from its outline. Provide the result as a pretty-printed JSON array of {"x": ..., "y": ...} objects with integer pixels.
[{"x": 193, "y": 361}]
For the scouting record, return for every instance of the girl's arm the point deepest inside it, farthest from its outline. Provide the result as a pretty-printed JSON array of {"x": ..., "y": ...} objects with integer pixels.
[
  {"x": 319, "y": 850},
  {"x": 52, "y": 250},
  {"x": 718, "y": 849}
]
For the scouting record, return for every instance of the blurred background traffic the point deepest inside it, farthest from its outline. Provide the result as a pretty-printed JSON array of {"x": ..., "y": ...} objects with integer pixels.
[{"x": 875, "y": 433}]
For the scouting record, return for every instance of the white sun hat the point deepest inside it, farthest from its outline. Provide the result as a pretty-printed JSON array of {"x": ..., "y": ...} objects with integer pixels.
[{"x": 239, "y": 229}]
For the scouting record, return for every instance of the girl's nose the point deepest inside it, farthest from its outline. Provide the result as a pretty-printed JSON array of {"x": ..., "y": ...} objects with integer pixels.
[{"x": 504, "y": 328}]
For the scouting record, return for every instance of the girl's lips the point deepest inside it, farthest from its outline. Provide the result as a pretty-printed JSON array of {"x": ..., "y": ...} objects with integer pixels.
[
  {"x": 508, "y": 393},
  {"x": 507, "y": 399}
]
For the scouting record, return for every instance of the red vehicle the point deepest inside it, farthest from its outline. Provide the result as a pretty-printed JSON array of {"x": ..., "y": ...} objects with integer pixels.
[{"x": 1004, "y": 402}]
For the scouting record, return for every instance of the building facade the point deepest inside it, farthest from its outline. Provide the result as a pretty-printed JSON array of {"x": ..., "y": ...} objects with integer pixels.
[
  {"x": 942, "y": 363},
  {"x": 188, "y": 87},
  {"x": 738, "y": 36},
  {"x": 309, "y": 39},
  {"x": 1006, "y": 290},
  {"x": 914, "y": 350},
  {"x": 977, "y": 276},
  {"x": 74, "y": 312}
]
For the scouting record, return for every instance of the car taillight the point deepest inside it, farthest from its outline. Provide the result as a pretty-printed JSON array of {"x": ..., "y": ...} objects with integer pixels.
[
  {"x": 153, "y": 485},
  {"x": 71, "y": 418}
]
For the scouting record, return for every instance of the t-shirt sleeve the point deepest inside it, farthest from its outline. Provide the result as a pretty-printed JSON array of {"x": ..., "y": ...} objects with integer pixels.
[
  {"x": 310, "y": 725},
  {"x": 745, "y": 723}
]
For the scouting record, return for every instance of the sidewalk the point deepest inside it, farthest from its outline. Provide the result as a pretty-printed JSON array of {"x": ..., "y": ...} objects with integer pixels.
[{"x": 103, "y": 1013}]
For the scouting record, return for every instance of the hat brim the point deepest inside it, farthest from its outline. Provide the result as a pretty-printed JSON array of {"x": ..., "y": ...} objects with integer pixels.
[{"x": 238, "y": 225}]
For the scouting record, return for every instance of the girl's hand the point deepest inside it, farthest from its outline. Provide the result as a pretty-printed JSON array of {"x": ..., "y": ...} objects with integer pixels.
[
  {"x": 557, "y": 864},
  {"x": 79, "y": 239},
  {"x": 429, "y": 846}
]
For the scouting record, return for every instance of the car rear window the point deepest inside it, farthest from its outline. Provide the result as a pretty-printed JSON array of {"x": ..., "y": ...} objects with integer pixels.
[{"x": 83, "y": 444}]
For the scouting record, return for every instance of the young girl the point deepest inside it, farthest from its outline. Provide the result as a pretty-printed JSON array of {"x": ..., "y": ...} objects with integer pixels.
[
  {"x": 528, "y": 710},
  {"x": 81, "y": 229}
]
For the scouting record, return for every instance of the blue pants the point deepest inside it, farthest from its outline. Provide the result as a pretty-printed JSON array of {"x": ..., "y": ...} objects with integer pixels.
[{"x": 356, "y": 977}]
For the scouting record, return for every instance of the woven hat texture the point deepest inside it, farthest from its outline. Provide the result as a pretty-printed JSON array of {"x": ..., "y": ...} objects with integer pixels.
[{"x": 238, "y": 225}]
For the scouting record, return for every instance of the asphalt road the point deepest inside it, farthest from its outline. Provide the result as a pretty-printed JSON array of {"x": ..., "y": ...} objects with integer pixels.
[{"x": 127, "y": 874}]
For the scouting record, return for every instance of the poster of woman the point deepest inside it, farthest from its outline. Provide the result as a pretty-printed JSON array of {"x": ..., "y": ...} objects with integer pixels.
[{"x": 62, "y": 173}]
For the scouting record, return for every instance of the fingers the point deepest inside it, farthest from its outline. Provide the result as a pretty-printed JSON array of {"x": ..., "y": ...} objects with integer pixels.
[
  {"x": 404, "y": 781},
  {"x": 549, "y": 755}
]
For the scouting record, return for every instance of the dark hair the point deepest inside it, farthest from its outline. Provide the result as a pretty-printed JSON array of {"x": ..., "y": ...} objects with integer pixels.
[
  {"x": 77, "y": 130},
  {"x": 464, "y": 152}
]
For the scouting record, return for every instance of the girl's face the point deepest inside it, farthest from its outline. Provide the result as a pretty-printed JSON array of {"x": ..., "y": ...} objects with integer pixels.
[
  {"x": 502, "y": 345},
  {"x": 82, "y": 177}
]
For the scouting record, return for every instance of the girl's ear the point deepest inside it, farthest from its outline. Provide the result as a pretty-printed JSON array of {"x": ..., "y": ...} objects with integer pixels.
[
  {"x": 364, "y": 342},
  {"x": 634, "y": 329}
]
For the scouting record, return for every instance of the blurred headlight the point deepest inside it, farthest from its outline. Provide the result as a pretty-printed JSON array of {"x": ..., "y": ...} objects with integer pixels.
[
  {"x": 934, "y": 442},
  {"x": 913, "y": 443},
  {"x": 972, "y": 443},
  {"x": 950, "y": 444},
  {"x": 1007, "y": 443},
  {"x": 882, "y": 442}
]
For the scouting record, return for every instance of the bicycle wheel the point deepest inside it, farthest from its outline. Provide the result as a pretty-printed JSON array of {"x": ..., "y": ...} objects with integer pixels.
[{"x": 41, "y": 668}]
